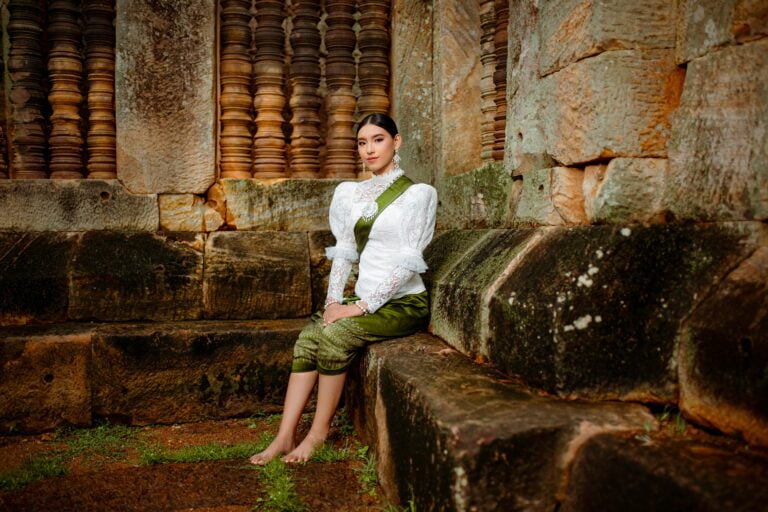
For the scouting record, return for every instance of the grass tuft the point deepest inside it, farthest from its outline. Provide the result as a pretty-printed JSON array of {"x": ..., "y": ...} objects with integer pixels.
[
  {"x": 366, "y": 474},
  {"x": 33, "y": 469},
  {"x": 213, "y": 451},
  {"x": 279, "y": 489}
]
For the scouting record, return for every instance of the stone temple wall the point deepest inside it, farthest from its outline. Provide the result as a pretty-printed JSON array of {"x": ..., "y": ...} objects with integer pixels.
[
  {"x": 619, "y": 251},
  {"x": 616, "y": 251}
]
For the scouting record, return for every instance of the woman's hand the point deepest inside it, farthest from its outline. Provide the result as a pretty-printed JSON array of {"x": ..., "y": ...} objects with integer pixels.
[{"x": 337, "y": 311}]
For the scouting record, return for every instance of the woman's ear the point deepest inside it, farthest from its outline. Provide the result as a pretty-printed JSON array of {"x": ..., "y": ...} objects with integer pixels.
[{"x": 398, "y": 140}]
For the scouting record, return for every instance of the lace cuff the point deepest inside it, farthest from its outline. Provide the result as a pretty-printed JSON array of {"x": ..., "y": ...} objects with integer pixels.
[
  {"x": 341, "y": 251},
  {"x": 337, "y": 279},
  {"x": 388, "y": 288}
]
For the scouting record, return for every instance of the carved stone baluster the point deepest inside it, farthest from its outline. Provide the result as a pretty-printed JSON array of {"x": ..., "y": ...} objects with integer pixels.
[
  {"x": 236, "y": 67},
  {"x": 500, "y": 77},
  {"x": 305, "y": 101},
  {"x": 373, "y": 43},
  {"x": 340, "y": 101},
  {"x": 269, "y": 141},
  {"x": 487, "y": 87},
  {"x": 65, "y": 70},
  {"x": 100, "y": 65},
  {"x": 26, "y": 71}
]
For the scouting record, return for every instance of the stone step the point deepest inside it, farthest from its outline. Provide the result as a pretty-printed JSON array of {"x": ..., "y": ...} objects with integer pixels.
[
  {"x": 450, "y": 434},
  {"x": 142, "y": 373}
]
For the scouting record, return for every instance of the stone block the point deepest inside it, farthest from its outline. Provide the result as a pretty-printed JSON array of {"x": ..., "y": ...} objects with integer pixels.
[
  {"x": 525, "y": 146},
  {"x": 718, "y": 152},
  {"x": 165, "y": 95},
  {"x": 320, "y": 268},
  {"x": 279, "y": 204},
  {"x": 412, "y": 86},
  {"x": 552, "y": 197},
  {"x": 257, "y": 275},
  {"x": 594, "y": 311},
  {"x": 180, "y": 372},
  {"x": 724, "y": 354},
  {"x": 706, "y": 25},
  {"x": 74, "y": 205},
  {"x": 477, "y": 199},
  {"x": 34, "y": 276},
  {"x": 137, "y": 276},
  {"x": 627, "y": 190},
  {"x": 187, "y": 212},
  {"x": 460, "y": 295},
  {"x": 457, "y": 71},
  {"x": 614, "y": 104},
  {"x": 617, "y": 472},
  {"x": 452, "y": 435},
  {"x": 575, "y": 29},
  {"x": 446, "y": 250},
  {"x": 45, "y": 378}
]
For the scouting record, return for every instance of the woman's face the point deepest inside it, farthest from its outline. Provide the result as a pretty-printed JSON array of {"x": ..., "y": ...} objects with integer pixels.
[{"x": 377, "y": 147}]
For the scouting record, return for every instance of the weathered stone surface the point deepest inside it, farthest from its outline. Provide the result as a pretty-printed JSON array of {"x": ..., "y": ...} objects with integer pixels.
[
  {"x": 594, "y": 311},
  {"x": 719, "y": 143},
  {"x": 477, "y": 199},
  {"x": 452, "y": 435},
  {"x": 320, "y": 267},
  {"x": 278, "y": 205},
  {"x": 525, "y": 145},
  {"x": 44, "y": 378},
  {"x": 614, "y": 472},
  {"x": 34, "y": 276},
  {"x": 187, "y": 212},
  {"x": 626, "y": 190},
  {"x": 257, "y": 275},
  {"x": 705, "y": 25},
  {"x": 574, "y": 29},
  {"x": 460, "y": 296},
  {"x": 724, "y": 354},
  {"x": 614, "y": 104},
  {"x": 412, "y": 86},
  {"x": 457, "y": 71},
  {"x": 166, "y": 373},
  {"x": 446, "y": 249},
  {"x": 552, "y": 197},
  {"x": 74, "y": 205},
  {"x": 165, "y": 95},
  {"x": 137, "y": 276}
]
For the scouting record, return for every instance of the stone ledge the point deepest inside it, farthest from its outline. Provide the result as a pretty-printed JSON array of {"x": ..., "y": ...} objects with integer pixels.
[
  {"x": 142, "y": 373},
  {"x": 614, "y": 472},
  {"x": 75, "y": 205},
  {"x": 452, "y": 435}
]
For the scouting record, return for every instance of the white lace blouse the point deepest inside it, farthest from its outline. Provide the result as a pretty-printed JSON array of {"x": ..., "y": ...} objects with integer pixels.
[{"x": 392, "y": 260}]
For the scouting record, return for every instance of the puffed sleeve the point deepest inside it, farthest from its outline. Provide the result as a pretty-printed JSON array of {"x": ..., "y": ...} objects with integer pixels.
[
  {"x": 416, "y": 232},
  {"x": 344, "y": 253},
  {"x": 342, "y": 224}
]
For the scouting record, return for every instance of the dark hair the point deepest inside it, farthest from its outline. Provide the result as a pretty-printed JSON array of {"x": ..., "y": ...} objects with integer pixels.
[{"x": 380, "y": 120}]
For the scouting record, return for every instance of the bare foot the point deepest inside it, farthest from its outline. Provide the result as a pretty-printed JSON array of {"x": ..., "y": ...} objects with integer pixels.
[
  {"x": 274, "y": 450},
  {"x": 306, "y": 448}
]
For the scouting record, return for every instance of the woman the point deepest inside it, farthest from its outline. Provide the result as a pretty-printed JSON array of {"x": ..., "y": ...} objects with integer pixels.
[{"x": 385, "y": 222}]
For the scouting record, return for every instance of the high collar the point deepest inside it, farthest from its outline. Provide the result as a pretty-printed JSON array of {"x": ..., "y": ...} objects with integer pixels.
[{"x": 387, "y": 178}]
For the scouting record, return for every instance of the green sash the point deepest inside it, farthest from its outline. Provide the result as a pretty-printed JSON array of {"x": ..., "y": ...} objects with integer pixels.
[{"x": 363, "y": 227}]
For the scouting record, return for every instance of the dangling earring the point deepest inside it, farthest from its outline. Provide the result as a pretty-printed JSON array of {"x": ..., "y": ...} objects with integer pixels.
[
  {"x": 363, "y": 166},
  {"x": 396, "y": 159}
]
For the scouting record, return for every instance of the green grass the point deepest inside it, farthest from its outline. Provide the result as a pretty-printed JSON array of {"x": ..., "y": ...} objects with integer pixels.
[
  {"x": 367, "y": 476},
  {"x": 214, "y": 451},
  {"x": 279, "y": 489},
  {"x": 342, "y": 422},
  {"x": 94, "y": 444},
  {"x": 326, "y": 452},
  {"x": 35, "y": 468}
]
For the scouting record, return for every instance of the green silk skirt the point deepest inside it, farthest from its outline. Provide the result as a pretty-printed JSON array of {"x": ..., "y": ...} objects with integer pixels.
[{"x": 330, "y": 350}]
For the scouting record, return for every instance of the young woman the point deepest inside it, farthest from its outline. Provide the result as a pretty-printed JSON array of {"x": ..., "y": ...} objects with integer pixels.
[{"x": 385, "y": 223}]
